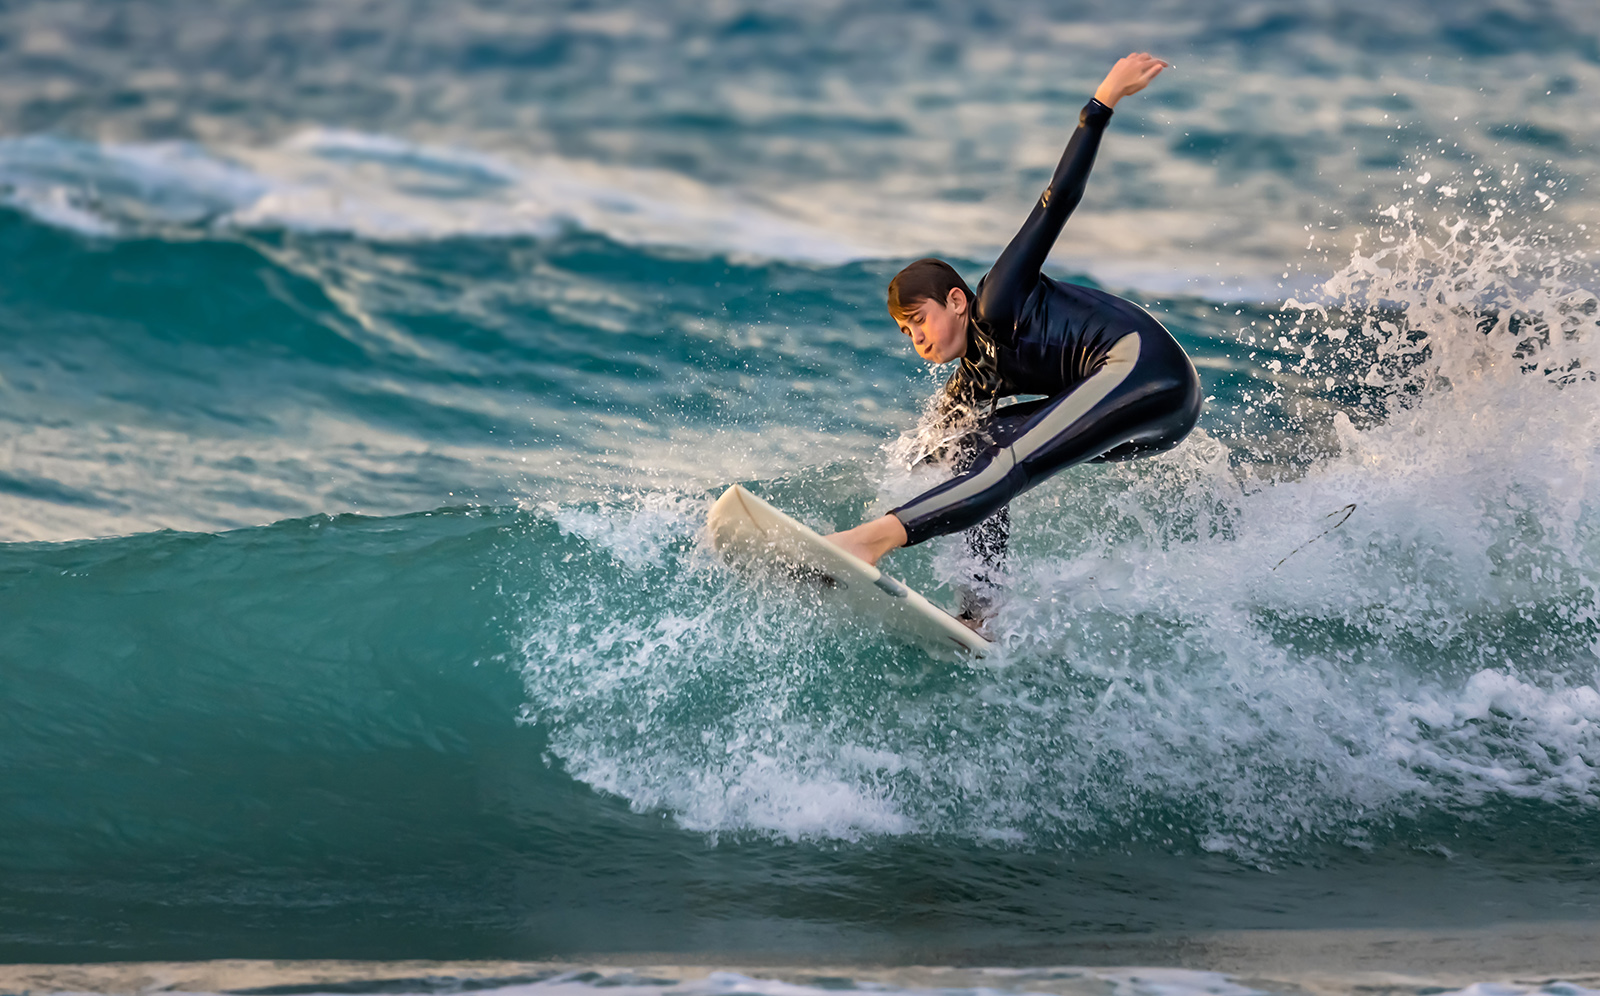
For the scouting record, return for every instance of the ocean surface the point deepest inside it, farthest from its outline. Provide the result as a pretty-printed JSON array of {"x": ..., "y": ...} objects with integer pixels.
[{"x": 367, "y": 370}]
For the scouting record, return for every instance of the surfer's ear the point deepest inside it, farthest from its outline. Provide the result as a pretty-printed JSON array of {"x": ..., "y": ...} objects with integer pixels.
[{"x": 956, "y": 301}]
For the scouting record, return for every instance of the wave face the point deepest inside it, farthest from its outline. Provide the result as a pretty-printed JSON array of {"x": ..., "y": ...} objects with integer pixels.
[{"x": 365, "y": 384}]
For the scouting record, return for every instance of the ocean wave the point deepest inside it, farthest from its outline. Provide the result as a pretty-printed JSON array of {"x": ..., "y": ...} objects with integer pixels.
[
  {"x": 219, "y": 380},
  {"x": 388, "y": 189},
  {"x": 1197, "y": 655}
]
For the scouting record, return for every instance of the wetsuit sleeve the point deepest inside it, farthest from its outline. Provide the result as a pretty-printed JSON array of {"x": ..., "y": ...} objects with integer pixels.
[{"x": 1016, "y": 272}]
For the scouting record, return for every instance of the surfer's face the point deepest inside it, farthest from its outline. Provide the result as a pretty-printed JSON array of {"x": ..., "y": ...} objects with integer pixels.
[{"x": 938, "y": 330}]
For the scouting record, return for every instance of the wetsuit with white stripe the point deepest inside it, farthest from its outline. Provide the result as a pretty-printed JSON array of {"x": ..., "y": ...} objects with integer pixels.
[{"x": 1117, "y": 383}]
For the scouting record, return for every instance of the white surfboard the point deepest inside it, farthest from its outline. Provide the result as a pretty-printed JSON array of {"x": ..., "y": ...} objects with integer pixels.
[{"x": 748, "y": 532}]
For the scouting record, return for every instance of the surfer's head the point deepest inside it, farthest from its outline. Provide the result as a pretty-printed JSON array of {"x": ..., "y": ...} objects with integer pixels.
[{"x": 932, "y": 304}]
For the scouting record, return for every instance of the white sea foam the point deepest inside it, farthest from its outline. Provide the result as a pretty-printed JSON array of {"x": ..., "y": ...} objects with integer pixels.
[
  {"x": 676, "y": 980},
  {"x": 1003, "y": 982},
  {"x": 1553, "y": 988},
  {"x": 100, "y": 188},
  {"x": 610, "y": 683},
  {"x": 1459, "y": 582},
  {"x": 381, "y": 187},
  {"x": 990, "y": 982},
  {"x": 1054, "y": 981},
  {"x": 637, "y": 540}
]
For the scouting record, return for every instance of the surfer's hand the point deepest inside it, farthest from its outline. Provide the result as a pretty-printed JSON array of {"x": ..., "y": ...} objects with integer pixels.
[
  {"x": 1131, "y": 74},
  {"x": 871, "y": 540}
]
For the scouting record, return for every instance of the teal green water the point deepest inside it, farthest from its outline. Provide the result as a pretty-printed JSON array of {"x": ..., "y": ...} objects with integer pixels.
[{"x": 365, "y": 380}]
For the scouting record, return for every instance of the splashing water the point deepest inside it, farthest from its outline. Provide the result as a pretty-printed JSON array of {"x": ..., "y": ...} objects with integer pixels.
[{"x": 1161, "y": 679}]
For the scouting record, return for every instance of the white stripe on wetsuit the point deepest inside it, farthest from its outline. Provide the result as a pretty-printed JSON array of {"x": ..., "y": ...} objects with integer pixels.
[{"x": 1119, "y": 363}]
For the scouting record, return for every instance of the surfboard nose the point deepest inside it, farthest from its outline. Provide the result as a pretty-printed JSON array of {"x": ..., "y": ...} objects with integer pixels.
[{"x": 730, "y": 520}]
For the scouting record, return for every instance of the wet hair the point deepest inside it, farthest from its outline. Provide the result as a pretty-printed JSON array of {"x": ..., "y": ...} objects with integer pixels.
[{"x": 924, "y": 280}]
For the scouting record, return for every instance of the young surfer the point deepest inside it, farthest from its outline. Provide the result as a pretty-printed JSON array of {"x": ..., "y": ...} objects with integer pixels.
[{"x": 1117, "y": 384}]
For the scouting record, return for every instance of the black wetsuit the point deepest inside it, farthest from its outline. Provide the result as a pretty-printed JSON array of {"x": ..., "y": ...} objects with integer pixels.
[{"x": 1117, "y": 383}]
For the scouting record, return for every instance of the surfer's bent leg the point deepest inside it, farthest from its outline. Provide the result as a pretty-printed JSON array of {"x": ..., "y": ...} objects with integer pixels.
[
  {"x": 1144, "y": 398},
  {"x": 986, "y": 541}
]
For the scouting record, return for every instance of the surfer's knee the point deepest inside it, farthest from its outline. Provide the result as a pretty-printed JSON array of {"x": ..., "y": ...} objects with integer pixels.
[
  {"x": 1176, "y": 412},
  {"x": 1171, "y": 402}
]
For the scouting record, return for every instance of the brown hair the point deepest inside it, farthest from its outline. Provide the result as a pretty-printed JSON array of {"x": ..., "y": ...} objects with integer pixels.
[{"x": 924, "y": 280}]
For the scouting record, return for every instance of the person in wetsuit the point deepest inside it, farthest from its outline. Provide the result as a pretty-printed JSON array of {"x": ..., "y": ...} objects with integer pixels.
[{"x": 1116, "y": 383}]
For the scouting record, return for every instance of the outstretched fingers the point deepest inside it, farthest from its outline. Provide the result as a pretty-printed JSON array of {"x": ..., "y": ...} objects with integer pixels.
[
  {"x": 1131, "y": 74},
  {"x": 1146, "y": 67}
]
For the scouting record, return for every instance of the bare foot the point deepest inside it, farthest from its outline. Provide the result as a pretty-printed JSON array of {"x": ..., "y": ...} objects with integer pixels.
[
  {"x": 850, "y": 544},
  {"x": 871, "y": 540}
]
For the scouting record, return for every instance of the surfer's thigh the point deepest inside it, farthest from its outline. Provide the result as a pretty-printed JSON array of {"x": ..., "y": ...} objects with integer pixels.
[{"x": 1142, "y": 400}]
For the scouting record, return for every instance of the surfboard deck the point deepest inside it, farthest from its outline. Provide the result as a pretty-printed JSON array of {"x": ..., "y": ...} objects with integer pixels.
[{"x": 749, "y": 532}]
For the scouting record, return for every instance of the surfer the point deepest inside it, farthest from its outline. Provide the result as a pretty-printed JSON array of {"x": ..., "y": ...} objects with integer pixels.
[{"x": 1116, "y": 383}]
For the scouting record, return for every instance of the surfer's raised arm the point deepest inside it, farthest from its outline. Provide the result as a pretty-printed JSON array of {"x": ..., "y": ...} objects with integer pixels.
[
  {"x": 1017, "y": 270},
  {"x": 1116, "y": 383}
]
